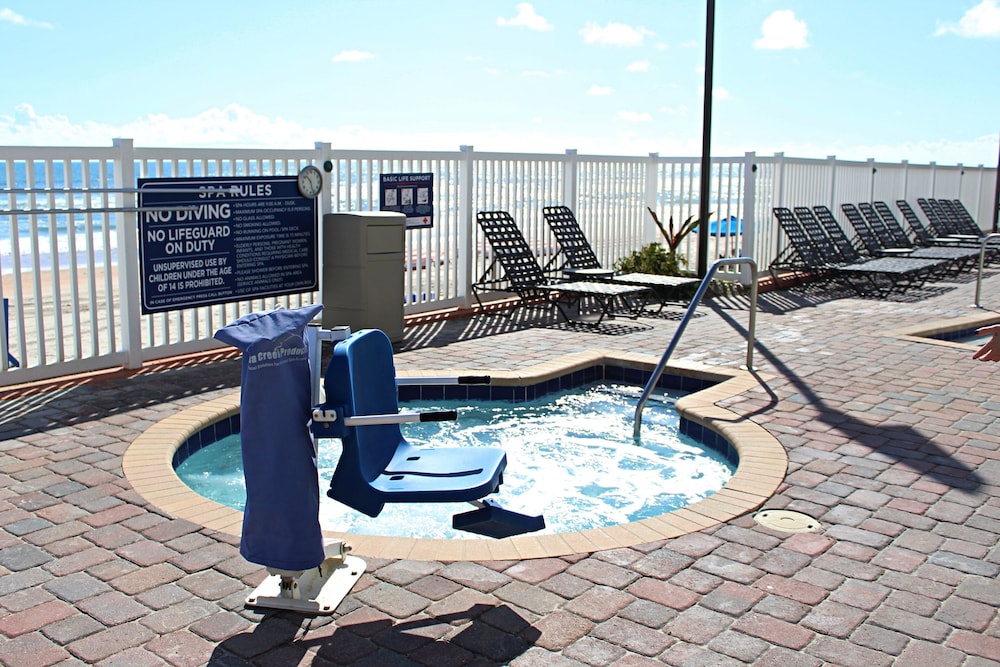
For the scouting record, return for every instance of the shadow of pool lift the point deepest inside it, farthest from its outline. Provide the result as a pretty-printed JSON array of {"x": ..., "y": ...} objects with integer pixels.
[{"x": 378, "y": 466}]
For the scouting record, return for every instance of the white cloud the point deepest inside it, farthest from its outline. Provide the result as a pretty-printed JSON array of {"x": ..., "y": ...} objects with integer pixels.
[
  {"x": 10, "y": 16},
  {"x": 230, "y": 126},
  {"x": 536, "y": 74},
  {"x": 639, "y": 66},
  {"x": 983, "y": 20},
  {"x": 526, "y": 18},
  {"x": 599, "y": 90},
  {"x": 613, "y": 34},
  {"x": 634, "y": 116},
  {"x": 781, "y": 30},
  {"x": 679, "y": 110},
  {"x": 970, "y": 152},
  {"x": 235, "y": 126},
  {"x": 353, "y": 56}
]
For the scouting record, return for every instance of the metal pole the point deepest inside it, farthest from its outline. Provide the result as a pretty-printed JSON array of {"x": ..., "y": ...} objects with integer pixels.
[
  {"x": 982, "y": 260},
  {"x": 996, "y": 197},
  {"x": 692, "y": 306},
  {"x": 706, "y": 141}
]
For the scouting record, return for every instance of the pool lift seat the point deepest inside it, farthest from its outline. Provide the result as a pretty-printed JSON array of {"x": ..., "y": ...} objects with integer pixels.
[{"x": 378, "y": 465}]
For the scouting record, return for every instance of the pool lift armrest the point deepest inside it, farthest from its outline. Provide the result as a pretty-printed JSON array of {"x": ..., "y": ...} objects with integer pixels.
[{"x": 328, "y": 422}]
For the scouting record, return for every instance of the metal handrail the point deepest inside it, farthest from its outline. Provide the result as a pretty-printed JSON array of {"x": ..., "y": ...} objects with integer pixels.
[
  {"x": 982, "y": 258},
  {"x": 695, "y": 300}
]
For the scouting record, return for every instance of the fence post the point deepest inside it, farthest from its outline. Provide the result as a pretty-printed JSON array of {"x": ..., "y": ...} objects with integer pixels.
[
  {"x": 323, "y": 160},
  {"x": 996, "y": 198},
  {"x": 749, "y": 211},
  {"x": 832, "y": 203},
  {"x": 652, "y": 194},
  {"x": 871, "y": 179},
  {"x": 466, "y": 223},
  {"x": 933, "y": 166},
  {"x": 779, "y": 179},
  {"x": 324, "y": 152},
  {"x": 906, "y": 180},
  {"x": 128, "y": 256},
  {"x": 570, "y": 189},
  {"x": 4, "y": 342},
  {"x": 979, "y": 194}
]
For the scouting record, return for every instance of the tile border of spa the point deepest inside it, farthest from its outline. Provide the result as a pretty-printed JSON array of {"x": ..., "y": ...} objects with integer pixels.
[
  {"x": 763, "y": 463},
  {"x": 938, "y": 332}
]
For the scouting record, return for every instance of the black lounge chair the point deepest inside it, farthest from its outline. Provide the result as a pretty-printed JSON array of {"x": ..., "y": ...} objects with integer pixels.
[
  {"x": 874, "y": 244},
  {"x": 959, "y": 217},
  {"x": 943, "y": 225},
  {"x": 802, "y": 255},
  {"x": 824, "y": 265},
  {"x": 850, "y": 252},
  {"x": 879, "y": 240},
  {"x": 522, "y": 275},
  {"x": 924, "y": 234},
  {"x": 921, "y": 235},
  {"x": 580, "y": 260},
  {"x": 878, "y": 276},
  {"x": 963, "y": 214},
  {"x": 879, "y": 216}
]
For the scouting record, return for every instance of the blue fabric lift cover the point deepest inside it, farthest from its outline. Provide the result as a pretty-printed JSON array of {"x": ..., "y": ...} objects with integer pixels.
[{"x": 281, "y": 519}]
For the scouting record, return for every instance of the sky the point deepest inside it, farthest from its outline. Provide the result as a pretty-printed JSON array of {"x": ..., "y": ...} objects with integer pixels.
[{"x": 891, "y": 80}]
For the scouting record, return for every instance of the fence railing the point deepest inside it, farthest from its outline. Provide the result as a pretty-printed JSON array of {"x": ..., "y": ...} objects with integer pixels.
[{"x": 69, "y": 244}]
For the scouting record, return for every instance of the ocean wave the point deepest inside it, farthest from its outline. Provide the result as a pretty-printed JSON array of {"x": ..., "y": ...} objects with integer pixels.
[{"x": 43, "y": 243}]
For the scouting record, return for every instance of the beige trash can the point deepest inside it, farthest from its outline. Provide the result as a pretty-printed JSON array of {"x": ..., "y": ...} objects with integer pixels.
[{"x": 362, "y": 263}]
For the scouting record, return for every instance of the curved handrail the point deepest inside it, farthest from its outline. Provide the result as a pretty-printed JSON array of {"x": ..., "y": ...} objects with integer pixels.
[
  {"x": 695, "y": 300},
  {"x": 982, "y": 257}
]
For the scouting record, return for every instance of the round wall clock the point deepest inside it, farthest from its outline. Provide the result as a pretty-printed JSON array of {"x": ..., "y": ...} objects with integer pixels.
[{"x": 310, "y": 181}]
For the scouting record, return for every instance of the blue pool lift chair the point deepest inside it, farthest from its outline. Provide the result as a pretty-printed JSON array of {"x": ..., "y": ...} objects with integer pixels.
[{"x": 378, "y": 465}]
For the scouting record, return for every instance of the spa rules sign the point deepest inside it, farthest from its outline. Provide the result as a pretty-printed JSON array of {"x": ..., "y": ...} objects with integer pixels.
[{"x": 218, "y": 240}]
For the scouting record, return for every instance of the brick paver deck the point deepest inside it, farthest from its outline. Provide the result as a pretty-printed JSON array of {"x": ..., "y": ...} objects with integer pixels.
[{"x": 893, "y": 446}]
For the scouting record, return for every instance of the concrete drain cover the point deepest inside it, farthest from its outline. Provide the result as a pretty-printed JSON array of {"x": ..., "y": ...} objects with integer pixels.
[{"x": 788, "y": 521}]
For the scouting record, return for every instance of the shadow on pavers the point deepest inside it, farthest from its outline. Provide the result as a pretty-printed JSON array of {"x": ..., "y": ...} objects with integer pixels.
[
  {"x": 490, "y": 635},
  {"x": 900, "y": 442}
]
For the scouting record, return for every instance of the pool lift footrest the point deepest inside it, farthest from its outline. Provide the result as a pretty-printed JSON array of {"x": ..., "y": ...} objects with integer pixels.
[
  {"x": 317, "y": 591},
  {"x": 491, "y": 520}
]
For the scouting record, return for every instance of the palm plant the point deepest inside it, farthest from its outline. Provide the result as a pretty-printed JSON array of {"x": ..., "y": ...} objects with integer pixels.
[
  {"x": 675, "y": 260},
  {"x": 654, "y": 258}
]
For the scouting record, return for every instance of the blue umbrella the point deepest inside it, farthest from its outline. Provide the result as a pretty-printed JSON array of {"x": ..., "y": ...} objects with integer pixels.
[{"x": 731, "y": 226}]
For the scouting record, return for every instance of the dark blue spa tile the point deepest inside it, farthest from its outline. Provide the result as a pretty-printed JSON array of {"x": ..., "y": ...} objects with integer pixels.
[
  {"x": 409, "y": 392},
  {"x": 479, "y": 392},
  {"x": 502, "y": 393},
  {"x": 456, "y": 392},
  {"x": 432, "y": 393}
]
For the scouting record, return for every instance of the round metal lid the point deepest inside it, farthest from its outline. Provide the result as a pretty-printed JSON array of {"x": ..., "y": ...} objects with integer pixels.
[{"x": 787, "y": 521}]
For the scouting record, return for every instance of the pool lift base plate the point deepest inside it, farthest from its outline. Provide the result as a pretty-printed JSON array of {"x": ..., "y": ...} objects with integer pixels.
[{"x": 317, "y": 591}]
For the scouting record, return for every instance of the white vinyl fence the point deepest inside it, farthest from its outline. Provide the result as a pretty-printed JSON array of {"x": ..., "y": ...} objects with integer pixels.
[{"x": 69, "y": 244}]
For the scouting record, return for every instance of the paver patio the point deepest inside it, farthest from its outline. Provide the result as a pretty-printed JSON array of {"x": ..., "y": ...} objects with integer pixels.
[{"x": 893, "y": 446}]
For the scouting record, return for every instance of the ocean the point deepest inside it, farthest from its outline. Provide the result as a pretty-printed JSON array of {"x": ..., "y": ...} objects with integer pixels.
[{"x": 27, "y": 240}]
